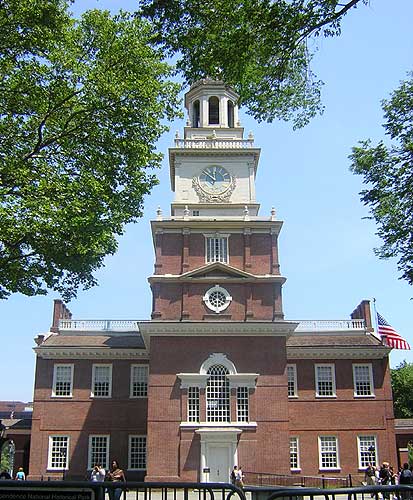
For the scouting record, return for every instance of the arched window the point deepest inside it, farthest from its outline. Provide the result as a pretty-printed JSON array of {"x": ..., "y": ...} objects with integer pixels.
[
  {"x": 196, "y": 115},
  {"x": 218, "y": 394},
  {"x": 230, "y": 109},
  {"x": 213, "y": 115}
]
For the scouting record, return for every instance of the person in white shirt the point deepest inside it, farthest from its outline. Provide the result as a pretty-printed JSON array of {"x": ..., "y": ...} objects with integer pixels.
[{"x": 98, "y": 473}]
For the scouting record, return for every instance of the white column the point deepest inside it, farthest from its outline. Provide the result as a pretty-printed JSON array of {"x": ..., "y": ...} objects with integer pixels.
[
  {"x": 223, "y": 111},
  {"x": 204, "y": 111},
  {"x": 251, "y": 182}
]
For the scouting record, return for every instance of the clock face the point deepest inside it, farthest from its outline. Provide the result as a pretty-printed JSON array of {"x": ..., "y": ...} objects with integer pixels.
[{"x": 214, "y": 179}]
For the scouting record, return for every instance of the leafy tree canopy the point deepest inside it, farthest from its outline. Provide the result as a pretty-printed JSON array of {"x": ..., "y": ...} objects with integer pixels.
[
  {"x": 402, "y": 383},
  {"x": 387, "y": 170},
  {"x": 257, "y": 46},
  {"x": 82, "y": 105}
]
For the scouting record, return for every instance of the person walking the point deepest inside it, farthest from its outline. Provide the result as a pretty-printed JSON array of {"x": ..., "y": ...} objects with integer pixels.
[
  {"x": 406, "y": 478},
  {"x": 239, "y": 478}
]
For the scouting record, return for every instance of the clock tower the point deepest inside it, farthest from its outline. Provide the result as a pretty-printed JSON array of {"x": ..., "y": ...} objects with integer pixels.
[{"x": 218, "y": 385}]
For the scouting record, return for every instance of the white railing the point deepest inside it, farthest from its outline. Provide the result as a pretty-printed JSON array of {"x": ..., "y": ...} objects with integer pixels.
[
  {"x": 318, "y": 325},
  {"x": 98, "y": 325},
  {"x": 214, "y": 143}
]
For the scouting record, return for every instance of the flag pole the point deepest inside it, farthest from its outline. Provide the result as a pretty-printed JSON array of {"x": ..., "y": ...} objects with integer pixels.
[{"x": 376, "y": 329}]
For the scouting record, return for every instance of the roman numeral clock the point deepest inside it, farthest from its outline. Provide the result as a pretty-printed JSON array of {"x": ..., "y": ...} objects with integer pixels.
[{"x": 214, "y": 184}]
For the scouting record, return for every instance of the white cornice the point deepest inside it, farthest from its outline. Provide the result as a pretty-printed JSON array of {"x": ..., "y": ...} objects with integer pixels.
[
  {"x": 271, "y": 278},
  {"x": 89, "y": 353},
  {"x": 337, "y": 352},
  {"x": 215, "y": 328}
]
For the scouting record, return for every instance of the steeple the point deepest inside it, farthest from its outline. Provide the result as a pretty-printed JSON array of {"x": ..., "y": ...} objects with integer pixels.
[{"x": 213, "y": 167}]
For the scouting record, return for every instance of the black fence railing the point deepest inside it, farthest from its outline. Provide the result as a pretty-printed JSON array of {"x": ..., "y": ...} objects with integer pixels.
[{"x": 264, "y": 479}]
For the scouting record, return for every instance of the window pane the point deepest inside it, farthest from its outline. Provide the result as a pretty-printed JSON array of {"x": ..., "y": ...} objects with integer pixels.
[
  {"x": 362, "y": 380},
  {"x": 63, "y": 380},
  {"x": 193, "y": 404},
  {"x": 217, "y": 395},
  {"x": 217, "y": 250},
  {"x": 328, "y": 452},
  {"x": 367, "y": 451},
  {"x": 101, "y": 381},
  {"x": 139, "y": 381},
  {"x": 242, "y": 404},
  {"x": 98, "y": 451},
  {"x": 213, "y": 110},
  {"x": 325, "y": 381},
  {"x": 137, "y": 452},
  {"x": 292, "y": 382},
  {"x": 58, "y": 452},
  {"x": 294, "y": 462}
]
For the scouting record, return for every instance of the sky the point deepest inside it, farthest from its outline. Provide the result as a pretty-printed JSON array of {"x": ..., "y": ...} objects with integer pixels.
[{"x": 326, "y": 243}]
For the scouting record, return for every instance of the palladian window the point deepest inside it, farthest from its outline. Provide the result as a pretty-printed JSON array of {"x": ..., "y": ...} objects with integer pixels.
[{"x": 217, "y": 393}]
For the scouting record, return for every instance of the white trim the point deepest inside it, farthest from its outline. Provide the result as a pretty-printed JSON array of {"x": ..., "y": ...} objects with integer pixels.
[
  {"x": 298, "y": 468},
  {"x": 213, "y": 426},
  {"x": 333, "y": 380},
  {"x": 89, "y": 353},
  {"x": 371, "y": 380},
  {"x": 101, "y": 365},
  {"x": 320, "y": 467},
  {"x": 55, "y": 368},
  {"x": 192, "y": 380},
  {"x": 90, "y": 465},
  {"x": 132, "y": 380},
  {"x": 214, "y": 307},
  {"x": 131, "y": 436},
  {"x": 293, "y": 366},
  {"x": 363, "y": 467},
  {"x": 248, "y": 380},
  {"x": 49, "y": 451},
  {"x": 217, "y": 358}
]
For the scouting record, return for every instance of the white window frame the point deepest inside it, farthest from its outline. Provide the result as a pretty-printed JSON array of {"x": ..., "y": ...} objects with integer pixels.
[
  {"x": 52, "y": 438},
  {"x": 297, "y": 451},
  {"x": 321, "y": 452},
  {"x": 373, "y": 440},
  {"x": 333, "y": 380},
  {"x": 371, "y": 380},
  {"x": 210, "y": 305},
  {"x": 216, "y": 256},
  {"x": 243, "y": 404},
  {"x": 131, "y": 437},
  {"x": 193, "y": 404},
  {"x": 90, "y": 463},
  {"x": 55, "y": 369},
  {"x": 133, "y": 380},
  {"x": 101, "y": 365},
  {"x": 292, "y": 368}
]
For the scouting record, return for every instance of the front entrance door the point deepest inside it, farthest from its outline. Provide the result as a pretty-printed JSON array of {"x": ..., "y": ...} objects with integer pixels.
[{"x": 218, "y": 464}]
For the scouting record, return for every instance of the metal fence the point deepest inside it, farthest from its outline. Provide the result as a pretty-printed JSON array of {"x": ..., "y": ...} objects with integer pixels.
[{"x": 264, "y": 479}]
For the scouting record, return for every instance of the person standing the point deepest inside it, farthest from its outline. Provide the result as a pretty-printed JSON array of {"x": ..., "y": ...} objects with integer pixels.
[
  {"x": 20, "y": 475},
  {"x": 405, "y": 477},
  {"x": 98, "y": 474},
  {"x": 234, "y": 474},
  {"x": 239, "y": 478},
  {"x": 117, "y": 475}
]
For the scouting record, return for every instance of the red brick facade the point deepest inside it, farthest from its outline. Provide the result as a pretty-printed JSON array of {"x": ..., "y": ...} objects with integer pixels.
[{"x": 229, "y": 379}]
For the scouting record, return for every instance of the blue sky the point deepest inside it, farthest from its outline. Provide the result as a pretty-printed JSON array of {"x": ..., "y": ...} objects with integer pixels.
[{"x": 326, "y": 244}]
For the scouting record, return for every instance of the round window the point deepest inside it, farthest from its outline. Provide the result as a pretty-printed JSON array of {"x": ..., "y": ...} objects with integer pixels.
[{"x": 217, "y": 299}]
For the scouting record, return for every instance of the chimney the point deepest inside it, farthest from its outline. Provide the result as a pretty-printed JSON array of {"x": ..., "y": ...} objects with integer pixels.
[
  {"x": 60, "y": 311},
  {"x": 362, "y": 311}
]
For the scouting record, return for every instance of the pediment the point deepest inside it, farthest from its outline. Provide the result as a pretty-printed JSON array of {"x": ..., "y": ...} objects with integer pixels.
[{"x": 217, "y": 270}]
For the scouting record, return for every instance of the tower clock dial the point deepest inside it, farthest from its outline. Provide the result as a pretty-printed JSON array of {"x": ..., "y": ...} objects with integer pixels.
[{"x": 214, "y": 180}]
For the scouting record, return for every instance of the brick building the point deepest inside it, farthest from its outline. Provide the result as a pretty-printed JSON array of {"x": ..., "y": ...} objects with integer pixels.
[{"x": 217, "y": 376}]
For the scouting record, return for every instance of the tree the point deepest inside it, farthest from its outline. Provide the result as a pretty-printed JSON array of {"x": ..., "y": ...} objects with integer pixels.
[
  {"x": 402, "y": 383},
  {"x": 259, "y": 47},
  {"x": 82, "y": 105},
  {"x": 387, "y": 169}
]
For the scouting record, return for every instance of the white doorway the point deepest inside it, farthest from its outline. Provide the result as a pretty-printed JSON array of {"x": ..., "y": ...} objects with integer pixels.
[{"x": 218, "y": 463}]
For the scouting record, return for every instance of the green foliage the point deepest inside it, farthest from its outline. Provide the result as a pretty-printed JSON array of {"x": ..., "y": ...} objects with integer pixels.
[
  {"x": 402, "y": 383},
  {"x": 388, "y": 172},
  {"x": 257, "y": 46},
  {"x": 82, "y": 105},
  {"x": 5, "y": 462}
]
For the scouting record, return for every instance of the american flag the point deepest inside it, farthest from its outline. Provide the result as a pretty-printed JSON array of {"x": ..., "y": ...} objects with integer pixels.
[{"x": 391, "y": 337}]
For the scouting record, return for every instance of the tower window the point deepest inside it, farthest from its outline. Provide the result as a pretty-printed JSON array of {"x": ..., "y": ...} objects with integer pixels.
[
  {"x": 230, "y": 110},
  {"x": 213, "y": 115},
  {"x": 216, "y": 249},
  {"x": 196, "y": 115}
]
